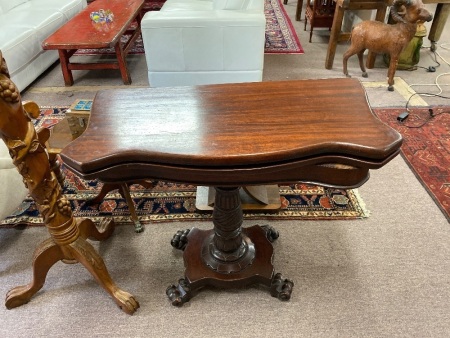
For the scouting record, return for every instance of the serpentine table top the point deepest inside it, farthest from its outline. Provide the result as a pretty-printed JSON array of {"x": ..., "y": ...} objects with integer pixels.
[
  {"x": 227, "y": 136},
  {"x": 249, "y": 133}
]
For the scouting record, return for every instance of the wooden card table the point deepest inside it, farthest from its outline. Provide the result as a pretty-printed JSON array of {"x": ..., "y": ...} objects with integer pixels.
[
  {"x": 82, "y": 33},
  {"x": 227, "y": 136}
]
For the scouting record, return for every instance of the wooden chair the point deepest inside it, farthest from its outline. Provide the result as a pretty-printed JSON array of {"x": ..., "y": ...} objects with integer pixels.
[{"x": 320, "y": 13}]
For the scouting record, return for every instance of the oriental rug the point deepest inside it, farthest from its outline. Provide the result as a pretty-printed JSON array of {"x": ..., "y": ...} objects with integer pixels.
[
  {"x": 164, "y": 201},
  {"x": 281, "y": 37},
  {"x": 425, "y": 148}
]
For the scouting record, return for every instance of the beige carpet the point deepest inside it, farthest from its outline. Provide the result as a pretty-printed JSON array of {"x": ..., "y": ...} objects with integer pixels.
[{"x": 383, "y": 276}]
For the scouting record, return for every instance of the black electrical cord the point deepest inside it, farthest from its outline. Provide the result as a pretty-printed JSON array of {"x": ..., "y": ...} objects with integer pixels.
[
  {"x": 428, "y": 94},
  {"x": 430, "y": 69},
  {"x": 435, "y": 60},
  {"x": 430, "y": 110}
]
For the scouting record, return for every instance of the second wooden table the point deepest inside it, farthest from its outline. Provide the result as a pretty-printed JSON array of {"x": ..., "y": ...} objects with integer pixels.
[{"x": 82, "y": 33}]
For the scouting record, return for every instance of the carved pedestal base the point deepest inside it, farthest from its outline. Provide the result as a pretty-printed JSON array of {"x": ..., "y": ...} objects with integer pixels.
[
  {"x": 228, "y": 256},
  {"x": 49, "y": 252},
  {"x": 43, "y": 180},
  {"x": 200, "y": 274}
]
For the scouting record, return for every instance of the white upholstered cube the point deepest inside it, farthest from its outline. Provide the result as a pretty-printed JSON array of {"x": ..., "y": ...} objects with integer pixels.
[{"x": 192, "y": 42}]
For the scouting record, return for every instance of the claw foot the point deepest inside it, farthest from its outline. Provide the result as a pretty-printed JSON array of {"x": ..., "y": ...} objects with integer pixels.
[
  {"x": 179, "y": 240},
  {"x": 125, "y": 301},
  {"x": 281, "y": 287},
  {"x": 179, "y": 294},
  {"x": 18, "y": 296},
  {"x": 364, "y": 74},
  {"x": 271, "y": 233}
]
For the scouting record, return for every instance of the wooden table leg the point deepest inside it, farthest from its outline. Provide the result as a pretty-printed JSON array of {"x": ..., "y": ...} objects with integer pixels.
[
  {"x": 440, "y": 18},
  {"x": 67, "y": 73},
  {"x": 228, "y": 255},
  {"x": 122, "y": 64},
  {"x": 138, "y": 227},
  {"x": 125, "y": 193},
  {"x": 298, "y": 11},
  {"x": 334, "y": 36}
]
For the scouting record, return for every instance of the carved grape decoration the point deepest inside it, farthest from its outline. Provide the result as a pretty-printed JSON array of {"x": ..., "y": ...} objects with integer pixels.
[
  {"x": 8, "y": 91},
  {"x": 64, "y": 206}
]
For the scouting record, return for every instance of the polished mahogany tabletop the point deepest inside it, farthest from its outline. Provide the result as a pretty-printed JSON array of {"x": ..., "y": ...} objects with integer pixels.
[{"x": 253, "y": 132}]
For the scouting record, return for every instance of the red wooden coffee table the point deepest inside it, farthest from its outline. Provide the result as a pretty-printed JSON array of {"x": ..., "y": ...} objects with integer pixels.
[{"x": 82, "y": 33}]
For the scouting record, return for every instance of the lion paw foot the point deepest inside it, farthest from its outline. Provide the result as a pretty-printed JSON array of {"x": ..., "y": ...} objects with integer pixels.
[
  {"x": 179, "y": 294},
  {"x": 281, "y": 287},
  {"x": 271, "y": 233},
  {"x": 179, "y": 240}
]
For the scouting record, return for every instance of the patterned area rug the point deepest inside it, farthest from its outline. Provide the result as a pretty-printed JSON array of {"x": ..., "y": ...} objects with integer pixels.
[
  {"x": 165, "y": 201},
  {"x": 426, "y": 148},
  {"x": 281, "y": 37}
]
